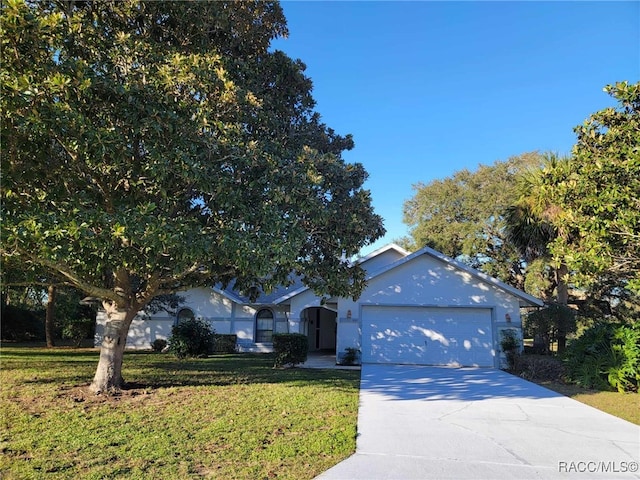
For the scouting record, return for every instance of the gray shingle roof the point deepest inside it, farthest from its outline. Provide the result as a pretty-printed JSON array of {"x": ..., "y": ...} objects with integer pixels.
[{"x": 264, "y": 298}]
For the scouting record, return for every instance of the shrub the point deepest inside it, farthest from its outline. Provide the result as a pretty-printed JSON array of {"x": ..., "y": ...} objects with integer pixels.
[
  {"x": 540, "y": 368},
  {"x": 510, "y": 345},
  {"x": 20, "y": 324},
  {"x": 351, "y": 356},
  {"x": 78, "y": 329},
  {"x": 159, "y": 344},
  {"x": 224, "y": 343},
  {"x": 605, "y": 357},
  {"x": 290, "y": 348},
  {"x": 191, "y": 338}
]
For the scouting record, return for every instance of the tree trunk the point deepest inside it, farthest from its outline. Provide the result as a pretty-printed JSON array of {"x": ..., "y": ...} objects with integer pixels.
[
  {"x": 562, "y": 273},
  {"x": 50, "y": 315},
  {"x": 108, "y": 377}
]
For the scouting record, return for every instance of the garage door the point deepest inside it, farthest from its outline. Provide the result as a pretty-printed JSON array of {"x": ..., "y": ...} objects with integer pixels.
[{"x": 427, "y": 336}]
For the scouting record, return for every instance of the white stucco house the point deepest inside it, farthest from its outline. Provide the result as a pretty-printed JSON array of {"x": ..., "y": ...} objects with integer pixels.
[{"x": 420, "y": 308}]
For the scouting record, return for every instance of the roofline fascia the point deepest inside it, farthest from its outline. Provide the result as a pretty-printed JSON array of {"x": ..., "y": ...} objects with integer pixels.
[
  {"x": 375, "y": 253},
  {"x": 230, "y": 296},
  {"x": 530, "y": 299}
]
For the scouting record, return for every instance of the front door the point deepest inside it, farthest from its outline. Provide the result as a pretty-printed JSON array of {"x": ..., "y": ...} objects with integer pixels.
[{"x": 321, "y": 328}]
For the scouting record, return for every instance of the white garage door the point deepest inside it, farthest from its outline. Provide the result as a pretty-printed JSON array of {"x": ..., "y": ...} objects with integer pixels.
[{"x": 427, "y": 336}]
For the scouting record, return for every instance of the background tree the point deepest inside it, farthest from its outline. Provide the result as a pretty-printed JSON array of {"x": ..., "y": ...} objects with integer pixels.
[
  {"x": 150, "y": 147},
  {"x": 26, "y": 287},
  {"x": 462, "y": 216},
  {"x": 601, "y": 196},
  {"x": 531, "y": 225}
]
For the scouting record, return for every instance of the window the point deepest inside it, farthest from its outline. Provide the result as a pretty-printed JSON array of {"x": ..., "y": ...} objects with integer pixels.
[
  {"x": 185, "y": 314},
  {"x": 264, "y": 326}
]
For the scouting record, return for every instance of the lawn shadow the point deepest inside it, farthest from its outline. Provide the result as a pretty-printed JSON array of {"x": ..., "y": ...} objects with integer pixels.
[
  {"x": 9, "y": 350},
  {"x": 146, "y": 370},
  {"x": 244, "y": 368}
]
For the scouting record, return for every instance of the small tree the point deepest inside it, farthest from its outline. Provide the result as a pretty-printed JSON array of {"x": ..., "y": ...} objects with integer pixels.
[
  {"x": 463, "y": 216},
  {"x": 601, "y": 197},
  {"x": 78, "y": 329}
]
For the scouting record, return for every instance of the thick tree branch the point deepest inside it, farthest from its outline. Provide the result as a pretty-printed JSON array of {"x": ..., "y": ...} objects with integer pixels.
[{"x": 77, "y": 281}]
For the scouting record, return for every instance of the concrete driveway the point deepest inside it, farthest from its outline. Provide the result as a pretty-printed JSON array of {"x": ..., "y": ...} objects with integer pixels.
[{"x": 467, "y": 423}]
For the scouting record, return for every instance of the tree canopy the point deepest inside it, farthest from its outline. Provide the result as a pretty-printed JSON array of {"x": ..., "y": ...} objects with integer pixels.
[
  {"x": 544, "y": 223},
  {"x": 463, "y": 216},
  {"x": 601, "y": 195},
  {"x": 154, "y": 146}
]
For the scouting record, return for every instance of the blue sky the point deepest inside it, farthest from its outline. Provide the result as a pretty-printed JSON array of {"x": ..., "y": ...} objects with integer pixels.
[{"x": 429, "y": 88}]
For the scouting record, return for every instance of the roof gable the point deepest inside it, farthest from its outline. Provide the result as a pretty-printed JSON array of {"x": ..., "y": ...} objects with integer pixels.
[
  {"x": 264, "y": 298},
  {"x": 372, "y": 262},
  {"x": 525, "y": 298},
  {"x": 382, "y": 257}
]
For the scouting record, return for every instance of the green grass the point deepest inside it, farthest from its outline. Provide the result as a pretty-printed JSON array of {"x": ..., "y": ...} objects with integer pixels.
[
  {"x": 229, "y": 416},
  {"x": 622, "y": 405}
]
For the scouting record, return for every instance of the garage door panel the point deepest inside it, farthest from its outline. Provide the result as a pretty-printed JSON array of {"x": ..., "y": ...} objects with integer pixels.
[{"x": 429, "y": 336}]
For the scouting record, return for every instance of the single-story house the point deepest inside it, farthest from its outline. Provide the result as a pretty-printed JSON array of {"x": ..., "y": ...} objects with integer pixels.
[{"x": 420, "y": 308}]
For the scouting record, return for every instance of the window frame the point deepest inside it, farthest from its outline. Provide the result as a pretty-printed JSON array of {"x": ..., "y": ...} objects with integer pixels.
[
  {"x": 260, "y": 336},
  {"x": 183, "y": 309}
]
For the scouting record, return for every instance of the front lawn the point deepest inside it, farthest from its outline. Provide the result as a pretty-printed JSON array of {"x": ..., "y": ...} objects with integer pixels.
[
  {"x": 622, "y": 405},
  {"x": 550, "y": 372},
  {"x": 229, "y": 416}
]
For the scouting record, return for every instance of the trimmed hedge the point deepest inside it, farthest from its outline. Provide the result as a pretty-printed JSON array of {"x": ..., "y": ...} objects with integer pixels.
[
  {"x": 224, "y": 343},
  {"x": 20, "y": 324},
  {"x": 290, "y": 348},
  {"x": 544, "y": 368}
]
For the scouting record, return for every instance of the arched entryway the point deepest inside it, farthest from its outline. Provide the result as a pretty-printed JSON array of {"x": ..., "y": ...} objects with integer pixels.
[{"x": 319, "y": 324}]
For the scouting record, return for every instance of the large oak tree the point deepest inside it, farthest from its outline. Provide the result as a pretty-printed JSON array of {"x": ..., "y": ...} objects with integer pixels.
[{"x": 148, "y": 147}]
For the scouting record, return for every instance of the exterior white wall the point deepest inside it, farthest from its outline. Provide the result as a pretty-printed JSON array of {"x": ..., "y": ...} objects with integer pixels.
[
  {"x": 426, "y": 281},
  {"x": 349, "y": 336},
  {"x": 207, "y": 303},
  {"x": 224, "y": 316},
  {"x": 422, "y": 281},
  {"x": 144, "y": 330}
]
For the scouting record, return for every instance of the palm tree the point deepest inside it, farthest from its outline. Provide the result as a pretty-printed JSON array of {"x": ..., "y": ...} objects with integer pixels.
[{"x": 534, "y": 221}]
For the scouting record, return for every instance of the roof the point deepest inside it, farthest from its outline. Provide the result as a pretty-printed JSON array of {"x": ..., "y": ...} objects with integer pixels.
[
  {"x": 281, "y": 294},
  {"x": 358, "y": 261},
  {"x": 375, "y": 253},
  {"x": 525, "y": 298},
  {"x": 264, "y": 298}
]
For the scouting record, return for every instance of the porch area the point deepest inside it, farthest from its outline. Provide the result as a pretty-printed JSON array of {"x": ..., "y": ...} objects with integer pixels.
[{"x": 326, "y": 360}]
